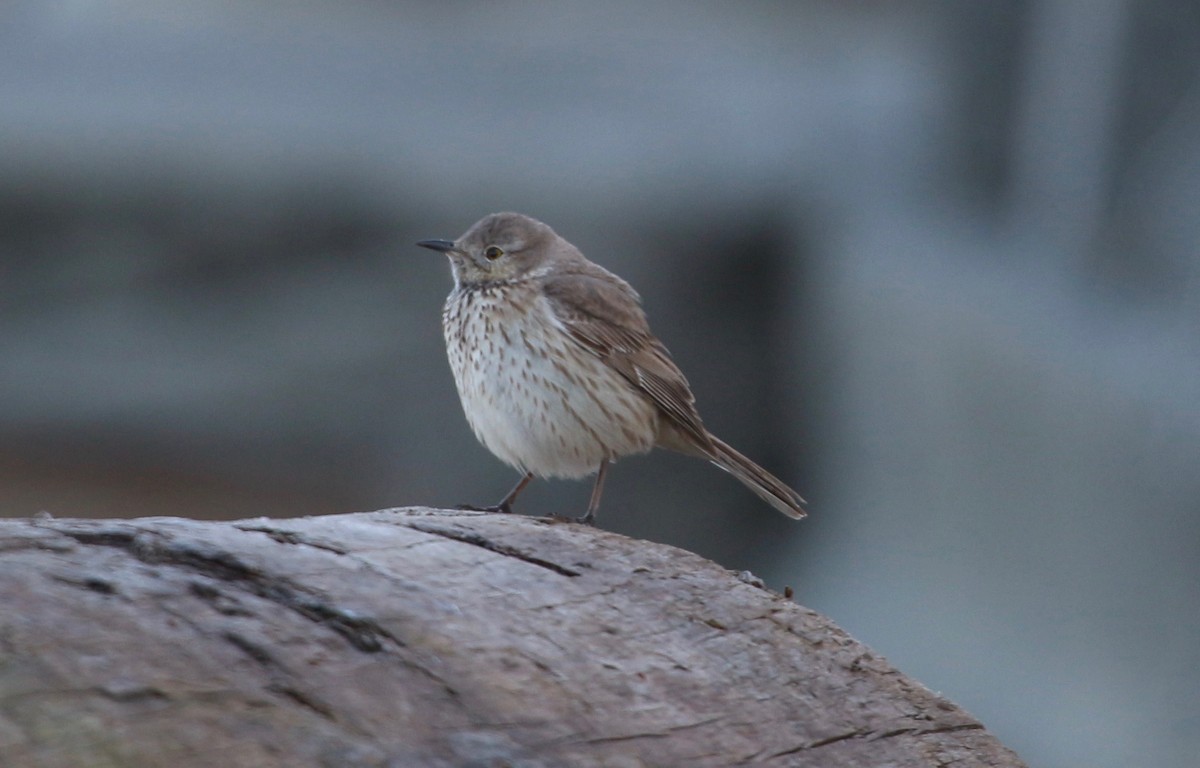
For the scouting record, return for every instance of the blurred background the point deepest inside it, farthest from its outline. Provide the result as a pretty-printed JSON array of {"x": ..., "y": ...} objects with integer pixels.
[{"x": 935, "y": 263}]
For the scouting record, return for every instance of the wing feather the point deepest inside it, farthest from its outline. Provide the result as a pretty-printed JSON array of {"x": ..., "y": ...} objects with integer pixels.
[{"x": 602, "y": 313}]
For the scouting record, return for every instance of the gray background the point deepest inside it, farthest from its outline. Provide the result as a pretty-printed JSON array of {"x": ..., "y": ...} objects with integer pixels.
[{"x": 935, "y": 263}]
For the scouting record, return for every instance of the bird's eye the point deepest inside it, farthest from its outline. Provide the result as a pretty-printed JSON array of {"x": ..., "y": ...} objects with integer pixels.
[{"x": 493, "y": 253}]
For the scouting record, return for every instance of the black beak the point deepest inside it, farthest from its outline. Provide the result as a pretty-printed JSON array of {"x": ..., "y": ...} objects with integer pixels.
[{"x": 444, "y": 246}]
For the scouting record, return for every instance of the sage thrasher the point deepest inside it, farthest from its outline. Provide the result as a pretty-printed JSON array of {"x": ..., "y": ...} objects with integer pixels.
[{"x": 557, "y": 369}]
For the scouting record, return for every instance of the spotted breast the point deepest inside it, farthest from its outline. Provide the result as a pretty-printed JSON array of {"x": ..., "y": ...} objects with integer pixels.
[{"x": 536, "y": 398}]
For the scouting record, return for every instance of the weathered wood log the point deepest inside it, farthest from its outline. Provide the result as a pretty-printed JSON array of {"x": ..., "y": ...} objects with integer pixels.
[{"x": 419, "y": 637}]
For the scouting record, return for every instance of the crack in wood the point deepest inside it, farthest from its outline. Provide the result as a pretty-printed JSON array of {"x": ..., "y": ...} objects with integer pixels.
[
  {"x": 127, "y": 691},
  {"x": 90, "y": 583},
  {"x": 948, "y": 729},
  {"x": 222, "y": 603},
  {"x": 665, "y": 732},
  {"x": 360, "y": 631},
  {"x": 291, "y": 537},
  {"x": 478, "y": 540},
  {"x": 20, "y": 545},
  {"x": 873, "y": 735},
  {"x": 278, "y": 676}
]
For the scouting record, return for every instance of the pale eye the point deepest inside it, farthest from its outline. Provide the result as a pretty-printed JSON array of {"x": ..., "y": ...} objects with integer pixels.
[{"x": 492, "y": 253}]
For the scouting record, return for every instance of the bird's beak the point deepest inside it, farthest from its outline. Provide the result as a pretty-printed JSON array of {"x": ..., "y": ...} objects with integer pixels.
[{"x": 444, "y": 246}]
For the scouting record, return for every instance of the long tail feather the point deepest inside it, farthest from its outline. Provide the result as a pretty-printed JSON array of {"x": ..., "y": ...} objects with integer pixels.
[{"x": 768, "y": 487}]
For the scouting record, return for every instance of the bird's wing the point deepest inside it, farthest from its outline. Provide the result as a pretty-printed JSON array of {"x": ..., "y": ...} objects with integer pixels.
[{"x": 601, "y": 312}]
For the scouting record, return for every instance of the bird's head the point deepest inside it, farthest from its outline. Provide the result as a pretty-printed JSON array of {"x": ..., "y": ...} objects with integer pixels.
[{"x": 501, "y": 247}]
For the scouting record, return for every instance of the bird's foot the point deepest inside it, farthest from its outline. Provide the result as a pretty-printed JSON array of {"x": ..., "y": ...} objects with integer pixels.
[
  {"x": 587, "y": 519},
  {"x": 503, "y": 507},
  {"x": 570, "y": 520}
]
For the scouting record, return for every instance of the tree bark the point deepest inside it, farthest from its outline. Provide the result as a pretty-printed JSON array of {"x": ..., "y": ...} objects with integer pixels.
[{"x": 421, "y": 637}]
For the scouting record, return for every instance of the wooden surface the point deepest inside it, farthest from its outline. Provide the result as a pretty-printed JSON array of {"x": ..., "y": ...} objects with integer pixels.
[{"x": 420, "y": 637}]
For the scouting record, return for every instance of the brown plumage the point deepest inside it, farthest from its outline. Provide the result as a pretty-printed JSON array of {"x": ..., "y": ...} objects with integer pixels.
[{"x": 557, "y": 369}]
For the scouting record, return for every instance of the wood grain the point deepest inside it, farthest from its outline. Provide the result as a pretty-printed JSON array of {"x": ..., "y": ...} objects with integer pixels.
[{"x": 422, "y": 637}]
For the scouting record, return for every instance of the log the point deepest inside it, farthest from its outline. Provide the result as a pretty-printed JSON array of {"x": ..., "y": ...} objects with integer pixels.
[{"x": 424, "y": 637}]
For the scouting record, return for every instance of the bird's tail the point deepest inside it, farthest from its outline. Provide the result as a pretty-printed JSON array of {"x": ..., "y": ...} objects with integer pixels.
[{"x": 768, "y": 487}]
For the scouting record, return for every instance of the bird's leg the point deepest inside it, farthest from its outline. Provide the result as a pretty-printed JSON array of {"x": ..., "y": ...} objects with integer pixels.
[
  {"x": 506, "y": 503},
  {"x": 593, "y": 505}
]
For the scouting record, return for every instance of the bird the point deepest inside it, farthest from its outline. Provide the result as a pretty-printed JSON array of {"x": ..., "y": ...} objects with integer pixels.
[{"x": 557, "y": 369}]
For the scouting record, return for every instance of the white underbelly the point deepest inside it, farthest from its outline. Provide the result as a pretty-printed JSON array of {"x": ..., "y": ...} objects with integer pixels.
[{"x": 538, "y": 400}]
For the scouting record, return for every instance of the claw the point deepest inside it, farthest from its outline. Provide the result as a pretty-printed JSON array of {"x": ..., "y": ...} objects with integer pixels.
[{"x": 503, "y": 507}]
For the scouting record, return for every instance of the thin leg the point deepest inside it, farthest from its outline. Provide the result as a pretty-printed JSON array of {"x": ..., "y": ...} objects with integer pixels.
[
  {"x": 506, "y": 503},
  {"x": 597, "y": 489}
]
